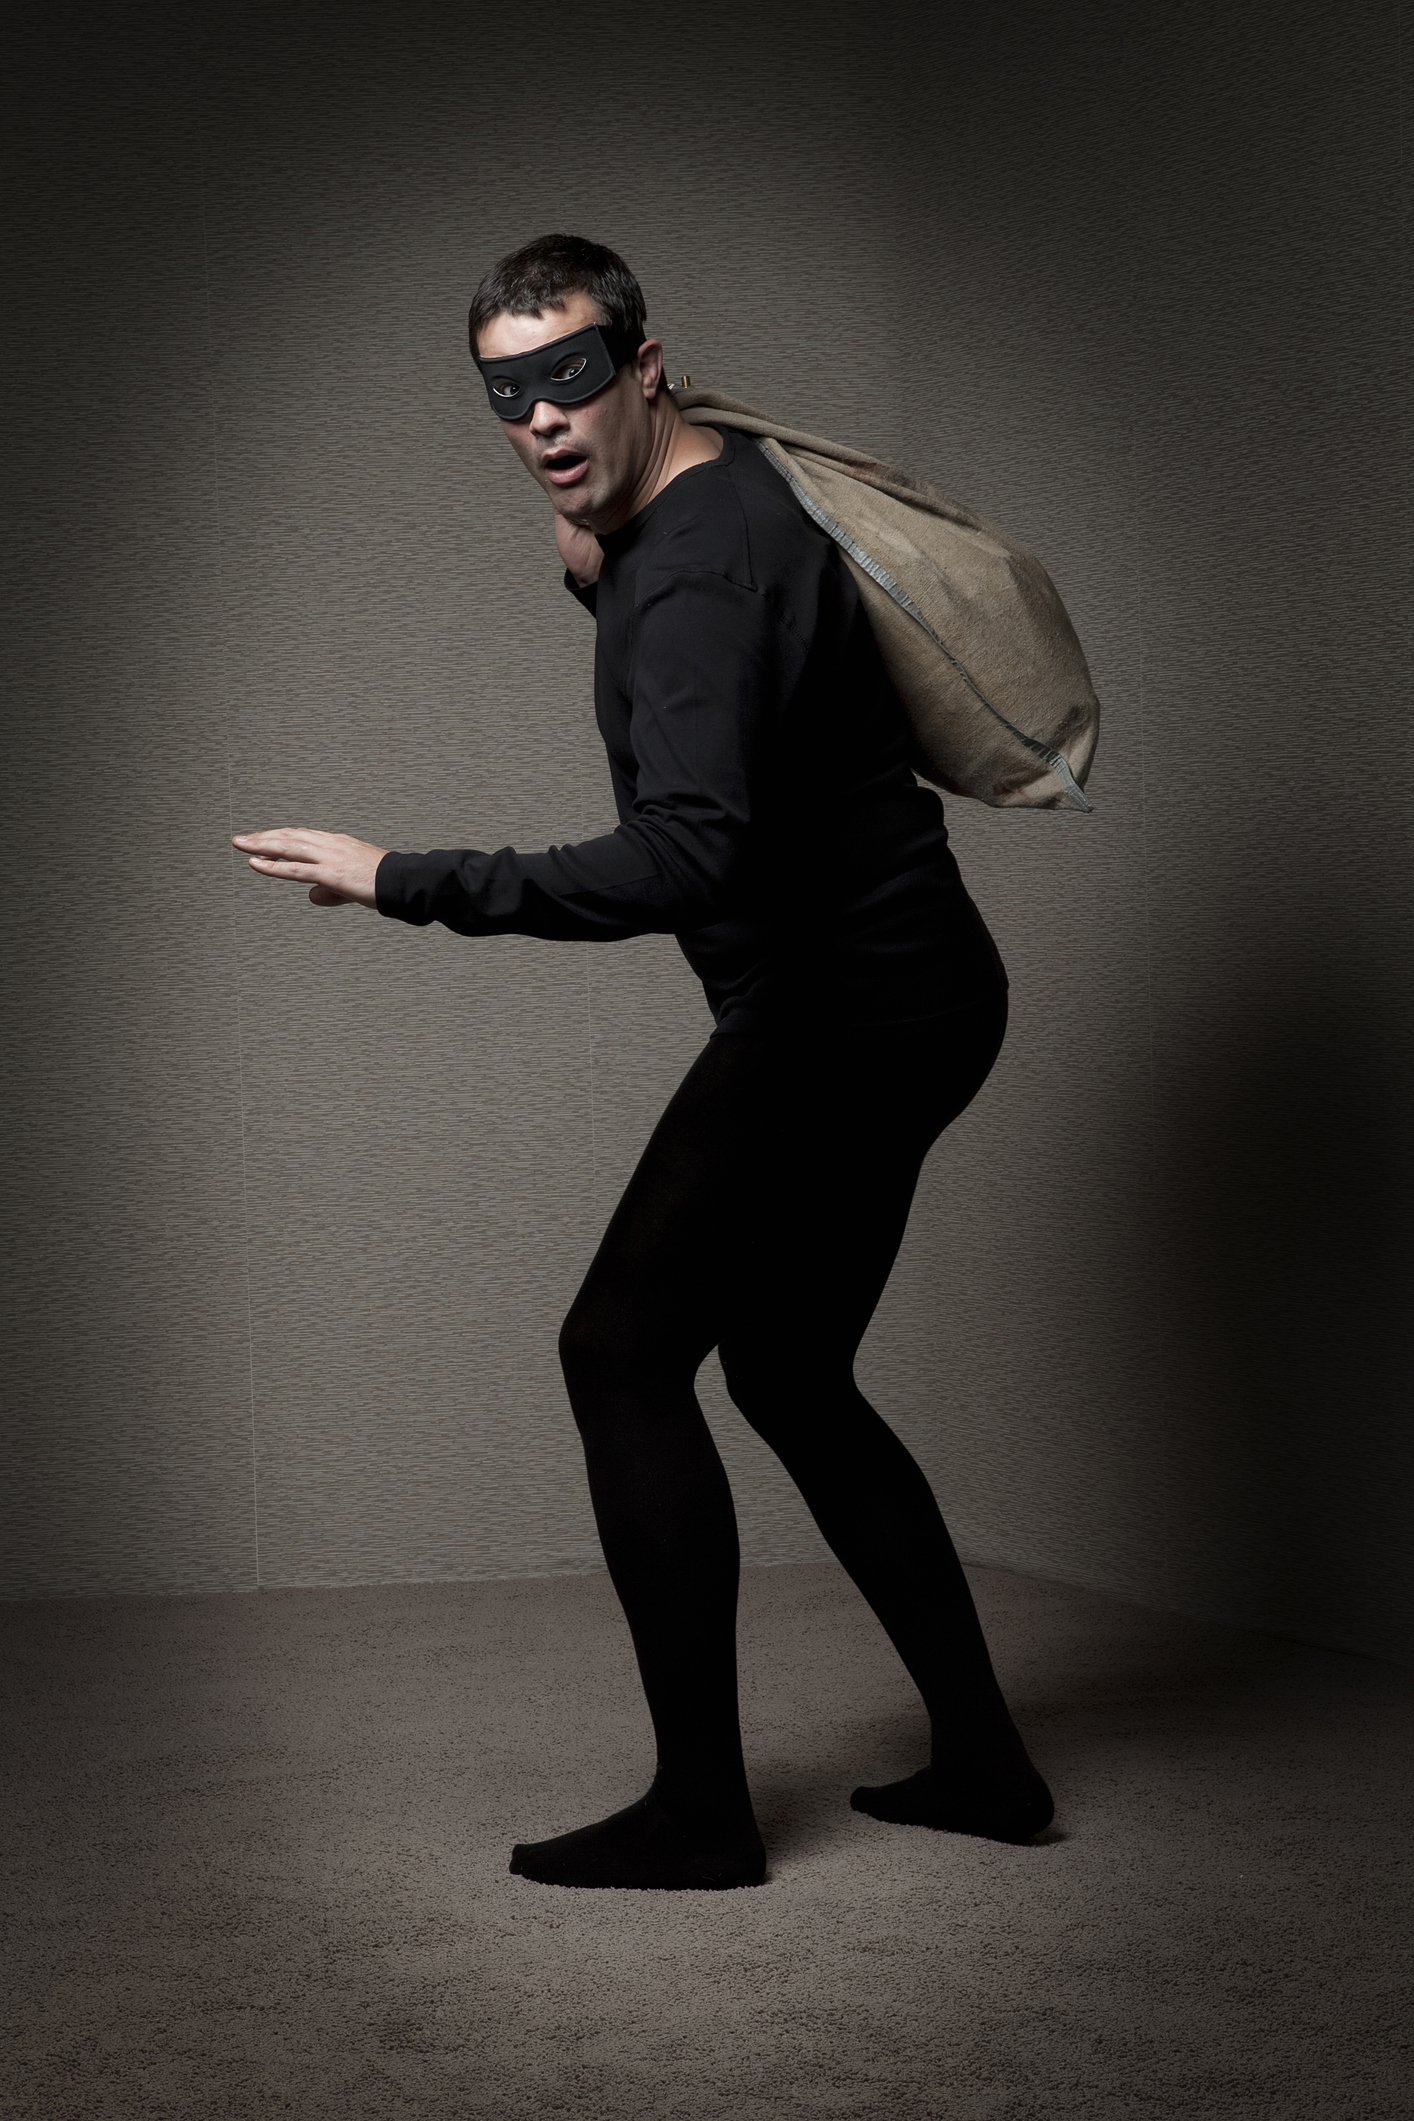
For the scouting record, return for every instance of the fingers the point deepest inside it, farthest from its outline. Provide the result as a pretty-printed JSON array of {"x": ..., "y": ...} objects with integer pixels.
[
  {"x": 286, "y": 842},
  {"x": 297, "y": 872},
  {"x": 293, "y": 853},
  {"x": 341, "y": 870}
]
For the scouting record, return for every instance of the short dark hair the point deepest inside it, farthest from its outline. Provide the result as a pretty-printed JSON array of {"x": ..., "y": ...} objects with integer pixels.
[{"x": 539, "y": 275}]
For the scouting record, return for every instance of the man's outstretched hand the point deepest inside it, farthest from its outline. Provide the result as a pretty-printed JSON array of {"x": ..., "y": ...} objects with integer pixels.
[{"x": 338, "y": 870}]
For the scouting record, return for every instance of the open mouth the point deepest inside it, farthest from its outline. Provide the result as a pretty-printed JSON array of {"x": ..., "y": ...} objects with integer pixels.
[{"x": 563, "y": 466}]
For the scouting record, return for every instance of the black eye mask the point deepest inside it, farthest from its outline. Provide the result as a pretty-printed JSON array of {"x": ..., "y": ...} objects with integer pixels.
[{"x": 564, "y": 370}]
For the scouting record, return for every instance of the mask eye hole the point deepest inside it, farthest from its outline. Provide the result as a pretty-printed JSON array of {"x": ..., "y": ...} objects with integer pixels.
[
  {"x": 572, "y": 365},
  {"x": 505, "y": 388}
]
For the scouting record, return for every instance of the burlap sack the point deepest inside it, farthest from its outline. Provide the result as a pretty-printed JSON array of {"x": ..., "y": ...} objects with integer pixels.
[{"x": 968, "y": 622}]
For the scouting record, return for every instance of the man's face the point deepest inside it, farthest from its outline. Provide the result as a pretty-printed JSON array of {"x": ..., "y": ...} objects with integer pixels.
[{"x": 588, "y": 457}]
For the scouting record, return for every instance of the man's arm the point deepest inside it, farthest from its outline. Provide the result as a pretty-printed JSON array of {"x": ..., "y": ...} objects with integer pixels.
[{"x": 713, "y": 670}]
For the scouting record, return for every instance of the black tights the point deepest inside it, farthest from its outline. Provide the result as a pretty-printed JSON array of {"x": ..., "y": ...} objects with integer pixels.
[{"x": 763, "y": 1219}]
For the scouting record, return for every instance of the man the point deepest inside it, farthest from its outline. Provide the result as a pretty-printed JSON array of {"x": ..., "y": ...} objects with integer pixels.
[{"x": 769, "y": 820}]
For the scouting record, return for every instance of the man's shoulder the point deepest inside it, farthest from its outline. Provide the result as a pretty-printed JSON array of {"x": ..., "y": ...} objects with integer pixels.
[{"x": 734, "y": 517}]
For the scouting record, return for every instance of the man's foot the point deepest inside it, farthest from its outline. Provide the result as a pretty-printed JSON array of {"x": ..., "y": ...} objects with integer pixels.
[
  {"x": 647, "y": 1848},
  {"x": 1012, "y": 1805}
]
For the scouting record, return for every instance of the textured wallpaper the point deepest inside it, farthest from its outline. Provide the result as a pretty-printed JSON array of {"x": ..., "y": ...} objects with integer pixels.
[{"x": 297, "y": 1200}]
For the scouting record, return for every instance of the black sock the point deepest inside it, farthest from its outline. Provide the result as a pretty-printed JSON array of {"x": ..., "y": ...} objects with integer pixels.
[
  {"x": 1001, "y": 1805},
  {"x": 651, "y": 1845}
]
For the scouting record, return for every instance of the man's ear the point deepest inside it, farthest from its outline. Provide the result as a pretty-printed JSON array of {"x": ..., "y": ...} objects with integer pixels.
[{"x": 650, "y": 368}]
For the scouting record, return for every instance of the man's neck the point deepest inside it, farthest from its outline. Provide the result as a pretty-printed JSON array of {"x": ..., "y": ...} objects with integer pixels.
[{"x": 674, "y": 447}]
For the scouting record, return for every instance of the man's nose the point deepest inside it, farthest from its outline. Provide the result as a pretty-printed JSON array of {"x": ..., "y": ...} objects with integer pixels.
[{"x": 546, "y": 416}]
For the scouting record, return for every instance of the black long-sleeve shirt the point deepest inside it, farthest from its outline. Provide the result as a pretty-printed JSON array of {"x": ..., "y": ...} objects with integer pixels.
[{"x": 767, "y": 814}]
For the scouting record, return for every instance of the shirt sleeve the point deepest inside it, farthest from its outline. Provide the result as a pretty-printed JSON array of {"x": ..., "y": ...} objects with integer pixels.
[{"x": 711, "y": 672}]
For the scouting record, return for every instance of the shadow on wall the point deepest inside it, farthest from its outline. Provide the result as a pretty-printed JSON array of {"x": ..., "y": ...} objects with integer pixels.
[{"x": 1287, "y": 1262}]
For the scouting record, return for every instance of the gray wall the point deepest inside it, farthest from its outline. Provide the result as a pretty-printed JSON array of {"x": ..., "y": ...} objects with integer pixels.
[{"x": 298, "y": 1198}]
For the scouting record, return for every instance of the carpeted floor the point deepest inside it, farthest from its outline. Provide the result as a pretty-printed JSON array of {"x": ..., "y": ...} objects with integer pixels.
[{"x": 260, "y": 1845}]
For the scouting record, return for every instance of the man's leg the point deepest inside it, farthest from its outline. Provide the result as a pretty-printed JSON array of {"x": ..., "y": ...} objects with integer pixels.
[
  {"x": 826, "y": 1243},
  {"x": 646, "y": 1316}
]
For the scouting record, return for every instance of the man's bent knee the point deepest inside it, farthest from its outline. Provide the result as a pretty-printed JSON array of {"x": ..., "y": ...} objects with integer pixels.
[
  {"x": 586, "y": 1349},
  {"x": 607, "y": 1362}
]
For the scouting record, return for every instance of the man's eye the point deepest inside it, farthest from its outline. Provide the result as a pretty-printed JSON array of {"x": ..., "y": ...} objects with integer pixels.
[
  {"x": 573, "y": 365},
  {"x": 505, "y": 388}
]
